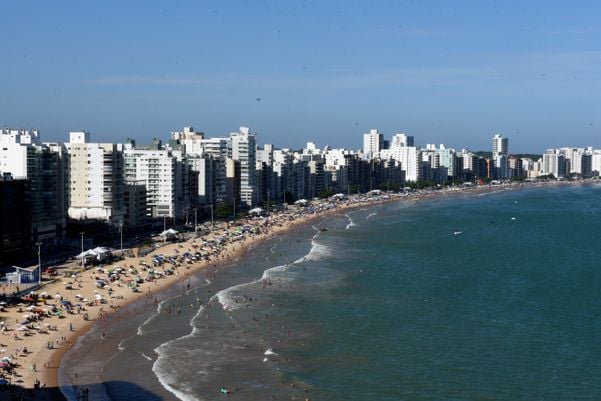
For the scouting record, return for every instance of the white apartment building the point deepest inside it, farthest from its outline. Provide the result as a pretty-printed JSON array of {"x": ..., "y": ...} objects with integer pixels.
[
  {"x": 499, "y": 144},
  {"x": 553, "y": 163},
  {"x": 500, "y": 168},
  {"x": 596, "y": 162},
  {"x": 373, "y": 142},
  {"x": 192, "y": 140},
  {"x": 409, "y": 158},
  {"x": 157, "y": 170},
  {"x": 401, "y": 140},
  {"x": 244, "y": 151},
  {"x": 446, "y": 158},
  {"x": 95, "y": 179}
]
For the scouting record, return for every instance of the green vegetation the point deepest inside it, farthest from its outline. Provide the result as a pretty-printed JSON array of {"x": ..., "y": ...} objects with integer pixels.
[{"x": 224, "y": 210}]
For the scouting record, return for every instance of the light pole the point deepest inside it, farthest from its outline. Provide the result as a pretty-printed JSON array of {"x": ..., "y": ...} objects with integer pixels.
[
  {"x": 121, "y": 233},
  {"x": 82, "y": 256},
  {"x": 164, "y": 229},
  {"x": 39, "y": 244},
  {"x": 195, "y": 221},
  {"x": 212, "y": 221}
]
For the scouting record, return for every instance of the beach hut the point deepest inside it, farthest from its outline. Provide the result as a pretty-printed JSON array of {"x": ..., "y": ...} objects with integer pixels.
[{"x": 23, "y": 275}]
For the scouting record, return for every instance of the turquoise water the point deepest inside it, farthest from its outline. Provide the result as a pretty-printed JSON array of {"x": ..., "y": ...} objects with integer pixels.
[
  {"x": 508, "y": 309},
  {"x": 466, "y": 298}
]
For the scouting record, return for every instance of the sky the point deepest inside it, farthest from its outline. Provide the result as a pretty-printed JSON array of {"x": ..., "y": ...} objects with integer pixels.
[{"x": 452, "y": 72}]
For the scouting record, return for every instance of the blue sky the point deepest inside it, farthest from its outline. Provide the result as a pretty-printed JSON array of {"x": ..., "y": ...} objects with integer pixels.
[{"x": 452, "y": 72}]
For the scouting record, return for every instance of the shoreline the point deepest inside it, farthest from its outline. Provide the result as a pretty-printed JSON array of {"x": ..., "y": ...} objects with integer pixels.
[{"x": 33, "y": 364}]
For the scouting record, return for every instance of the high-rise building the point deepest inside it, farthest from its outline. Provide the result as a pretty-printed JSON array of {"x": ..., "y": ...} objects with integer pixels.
[
  {"x": 15, "y": 228},
  {"x": 372, "y": 144},
  {"x": 244, "y": 151},
  {"x": 95, "y": 180},
  {"x": 156, "y": 169},
  {"x": 554, "y": 164},
  {"x": 401, "y": 140},
  {"x": 409, "y": 157},
  {"x": 499, "y": 157},
  {"x": 43, "y": 165},
  {"x": 499, "y": 144},
  {"x": 135, "y": 199}
]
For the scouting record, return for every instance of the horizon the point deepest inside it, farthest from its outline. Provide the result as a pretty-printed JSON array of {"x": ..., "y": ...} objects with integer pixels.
[{"x": 452, "y": 73}]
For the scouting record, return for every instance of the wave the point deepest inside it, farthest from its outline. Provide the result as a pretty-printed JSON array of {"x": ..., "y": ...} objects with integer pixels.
[
  {"x": 269, "y": 352},
  {"x": 167, "y": 376},
  {"x": 351, "y": 222},
  {"x": 371, "y": 215},
  {"x": 167, "y": 381},
  {"x": 229, "y": 301},
  {"x": 140, "y": 331}
]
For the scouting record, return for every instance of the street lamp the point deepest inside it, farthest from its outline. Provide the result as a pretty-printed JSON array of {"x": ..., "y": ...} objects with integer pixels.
[
  {"x": 195, "y": 221},
  {"x": 212, "y": 221},
  {"x": 39, "y": 244},
  {"x": 82, "y": 256},
  {"x": 121, "y": 232}
]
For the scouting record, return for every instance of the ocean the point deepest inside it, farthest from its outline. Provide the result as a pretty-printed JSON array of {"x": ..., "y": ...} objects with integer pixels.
[{"x": 492, "y": 296}]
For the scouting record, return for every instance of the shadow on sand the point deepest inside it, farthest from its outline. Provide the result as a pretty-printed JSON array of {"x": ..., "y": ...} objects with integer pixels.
[{"x": 92, "y": 392}]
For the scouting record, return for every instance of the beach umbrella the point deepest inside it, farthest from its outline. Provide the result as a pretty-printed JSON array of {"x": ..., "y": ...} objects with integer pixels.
[
  {"x": 58, "y": 296},
  {"x": 3, "y": 303},
  {"x": 22, "y": 328},
  {"x": 98, "y": 297},
  {"x": 3, "y": 382}
]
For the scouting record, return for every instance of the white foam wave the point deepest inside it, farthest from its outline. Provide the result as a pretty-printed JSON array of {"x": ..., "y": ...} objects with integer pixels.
[
  {"x": 227, "y": 300},
  {"x": 168, "y": 380},
  {"x": 226, "y": 297},
  {"x": 140, "y": 331},
  {"x": 351, "y": 222},
  {"x": 370, "y": 215}
]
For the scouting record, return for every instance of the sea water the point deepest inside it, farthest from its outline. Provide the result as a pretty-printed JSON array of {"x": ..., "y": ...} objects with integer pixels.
[{"x": 458, "y": 298}]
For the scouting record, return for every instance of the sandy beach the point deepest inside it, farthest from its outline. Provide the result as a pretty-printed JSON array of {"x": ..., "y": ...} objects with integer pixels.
[{"x": 37, "y": 332}]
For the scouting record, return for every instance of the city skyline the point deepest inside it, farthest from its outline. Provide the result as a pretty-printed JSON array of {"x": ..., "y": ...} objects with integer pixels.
[{"x": 445, "y": 73}]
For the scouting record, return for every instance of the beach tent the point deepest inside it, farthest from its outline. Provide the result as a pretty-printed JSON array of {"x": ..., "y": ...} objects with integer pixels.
[
  {"x": 256, "y": 211},
  {"x": 301, "y": 202},
  {"x": 169, "y": 234},
  {"x": 339, "y": 196},
  {"x": 86, "y": 254}
]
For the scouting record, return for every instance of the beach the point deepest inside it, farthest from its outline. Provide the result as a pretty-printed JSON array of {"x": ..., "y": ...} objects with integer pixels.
[{"x": 36, "y": 344}]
